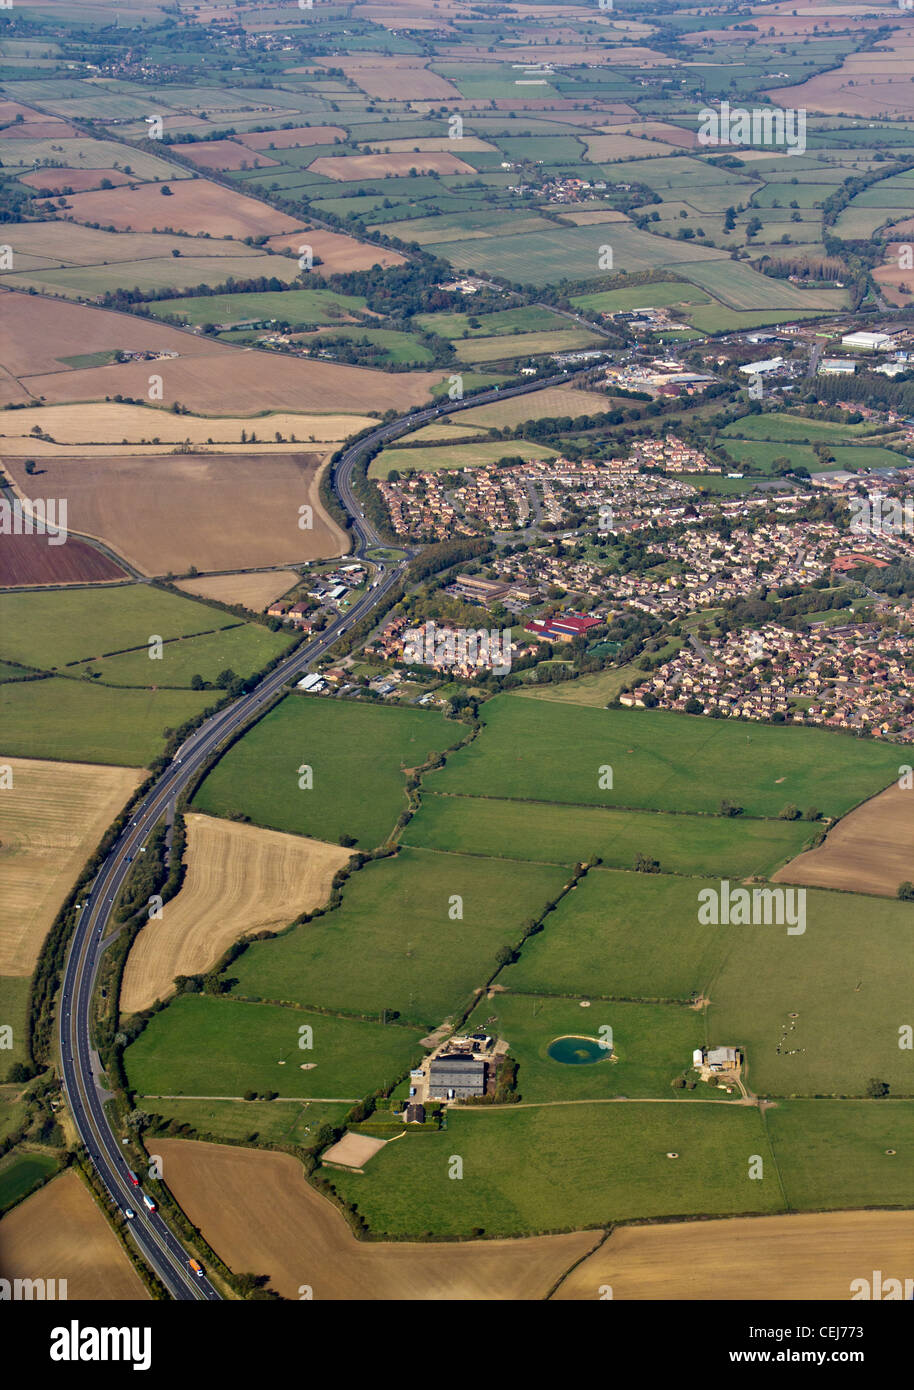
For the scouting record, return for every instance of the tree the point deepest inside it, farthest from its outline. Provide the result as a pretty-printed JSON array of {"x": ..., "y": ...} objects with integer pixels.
[
  {"x": 789, "y": 812},
  {"x": 730, "y": 808},
  {"x": 876, "y": 1089},
  {"x": 906, "y": 891},
  {"x": 30, "y": 466}
]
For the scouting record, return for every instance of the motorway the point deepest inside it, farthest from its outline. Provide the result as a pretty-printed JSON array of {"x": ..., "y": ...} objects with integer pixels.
[{"x": 158, "y": 1244}]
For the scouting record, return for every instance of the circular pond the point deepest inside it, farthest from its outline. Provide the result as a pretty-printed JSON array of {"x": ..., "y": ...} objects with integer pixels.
[{"x": 577, "y": 1052}]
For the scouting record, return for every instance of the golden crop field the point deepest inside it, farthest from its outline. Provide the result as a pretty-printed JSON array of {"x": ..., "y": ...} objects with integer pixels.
[
  {"x": 868, "y": 851},
  {"x": 59, "y": 1233},
  {"x": 808, "y": 1256},
  {"x": 51, "y": 819},
  {"x": 240, "y": 880},
  {"x": 256, "y": 591}
]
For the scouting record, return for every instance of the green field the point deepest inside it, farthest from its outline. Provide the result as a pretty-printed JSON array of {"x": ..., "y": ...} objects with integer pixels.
[
  {"x": 283, "y": 1122},
  {"x": 624, "y": 935},
  {"x": 506, "y": 346},
  {"x": 841, "y": 977},
  {"x": 72, "y": 721},
  {"x": 741, "y": 287},
  {"x": 14, "y": 1004},
  {"x": 561, "y": 1168},
  {"x": 166, "y": 273},
  {"x": 393, "y": 943},
  {"x": 307, "y": 307},
  {"x": 651, "y": 1044},
  {"x": 21, "y": 1173},
  {"x": 457, "y": 325},
  {"x": 358, "y": 755},
  {"x": 51, "y": 629},
  {"x": 223, "y": 1047},
  {"x": 658, "y": 296},
  {"x": 436, "y": 457},
  {"x": 244, "y": 649},
  {"x": 574, "y": 253},
  {"x": 777, "y": 426},
  {"x": 570, "y": 834},
  {"x": 534, "y": 750},
  {"x": 832, "y": 1153}
]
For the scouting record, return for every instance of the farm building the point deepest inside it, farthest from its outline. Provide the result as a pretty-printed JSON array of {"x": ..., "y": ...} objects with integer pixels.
[{"x": 456, "y": 1077}]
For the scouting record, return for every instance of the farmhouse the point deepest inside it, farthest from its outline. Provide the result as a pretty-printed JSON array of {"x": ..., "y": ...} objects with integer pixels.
[{"x": 456, "y": 1076}]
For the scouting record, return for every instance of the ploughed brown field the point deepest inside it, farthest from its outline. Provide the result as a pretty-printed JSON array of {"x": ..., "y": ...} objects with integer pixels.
[
  {"x": 240, "y": 880},
  {"x": 225, "y": 154},
  {"x": 808, "y": 1256},
  {"x": 195, "y": 205},
  {"x": 164, "y": 513},
  {"x": 80, "y": 180},
  {"x": 870, "y": 850},
  {"x": 31, "y": 560},
  {"x": 59, "y": 1233},
  {"x": 257, "y": 1212},
  {"x": 36, "y": 334},
  {"x": 246, "y": 382}
]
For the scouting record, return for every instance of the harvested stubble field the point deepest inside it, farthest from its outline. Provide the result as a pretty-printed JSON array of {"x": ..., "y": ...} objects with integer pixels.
[
  {"x": 167, "y": 512},
  {"x": 195, "y": 205},
  {"x": 253, "y": 381},
  {"x": 240, "y": 880},
  {"x": 112, "y": 422},
  {"x": 338, "y": 253},
  {"x": 31, "y": 560},
  {"x": 255, "y": 591},
  {"x": 353, "y": 168},
  {"x": 60, "y": 1232},
  {"x": 812, "y": 1256},
  {"x": 868, "y": 851},
  {"x": 51, "y": 819},
  {"x": 554, "y": 402},
  {"x": 295, "y": 1235}
]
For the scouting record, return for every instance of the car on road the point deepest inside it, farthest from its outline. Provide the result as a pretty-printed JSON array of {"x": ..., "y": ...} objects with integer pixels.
[{"x": 129, "y": 1213}]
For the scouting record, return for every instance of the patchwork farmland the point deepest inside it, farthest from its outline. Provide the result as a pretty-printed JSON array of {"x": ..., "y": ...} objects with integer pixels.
[{"x": 397, "y": 974}]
